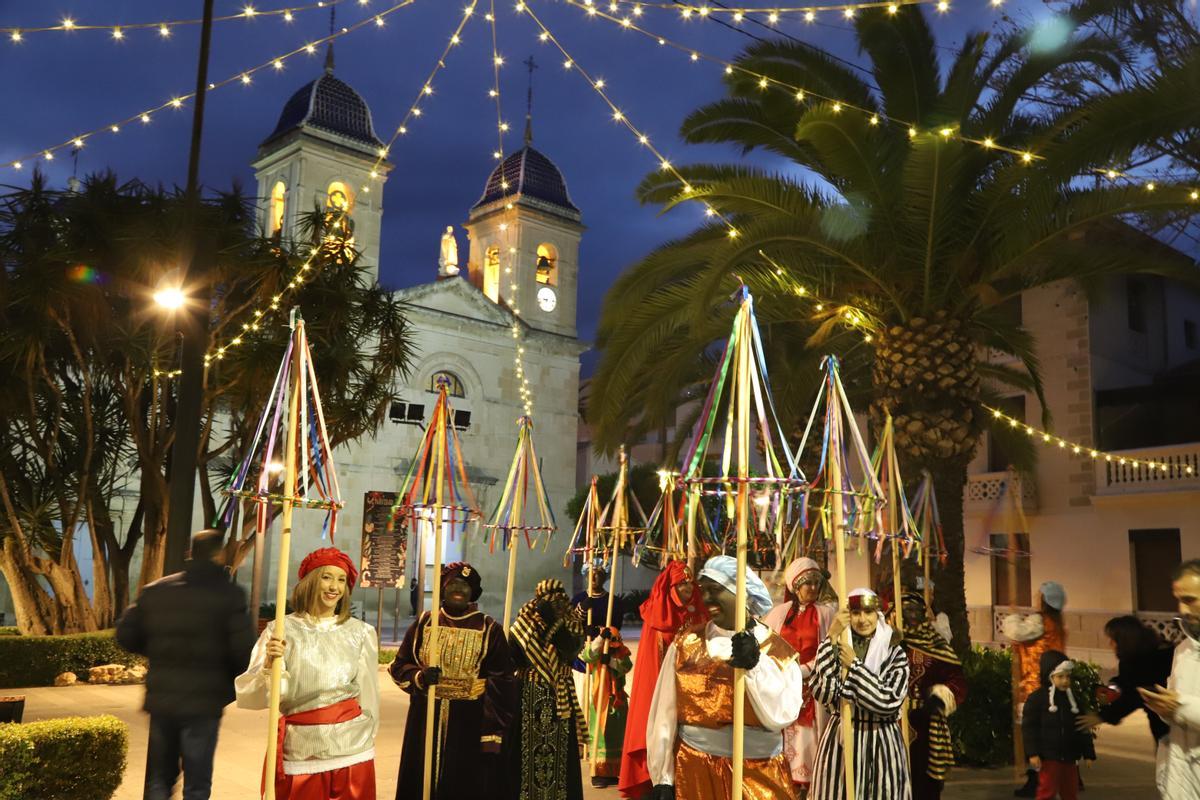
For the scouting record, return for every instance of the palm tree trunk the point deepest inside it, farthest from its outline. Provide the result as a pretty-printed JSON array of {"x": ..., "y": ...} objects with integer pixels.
[{"x": 949, "y": 580}]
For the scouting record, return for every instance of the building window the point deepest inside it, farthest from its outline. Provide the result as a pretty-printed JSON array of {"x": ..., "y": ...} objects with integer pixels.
[
  {"x": 1000, "y": 457},
  {"x": 1154, "y": 554},
  {"x": 339, "y": 198},
  {"x": 547, "y": 265},
  {"x": 1136, "y": 292},
  {"x": 278, "y": 199},
  {"x": 1004, "y": 567},
  {"x": 454, "y": 386},
  {"x": 491, "y": 274},
  {"x": 1189, "y": 334}
]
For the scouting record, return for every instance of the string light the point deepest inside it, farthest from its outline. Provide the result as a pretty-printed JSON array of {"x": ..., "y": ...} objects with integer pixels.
[
  {"x": 242, "y": 77},
  {"x": 1084, "y": 450},
  {"x": 414, "y": 110},
  {"x": 738, "y": 12},
  {"x": 118, "y": 31}
]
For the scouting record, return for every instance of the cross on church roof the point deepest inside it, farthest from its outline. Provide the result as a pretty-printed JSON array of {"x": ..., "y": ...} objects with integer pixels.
[{"x": 532, "y": 65}]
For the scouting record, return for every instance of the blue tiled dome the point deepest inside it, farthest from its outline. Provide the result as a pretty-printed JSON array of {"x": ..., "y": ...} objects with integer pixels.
[
  {"x": 330, "y": 105},
  {"x": 529, "y": 174}
]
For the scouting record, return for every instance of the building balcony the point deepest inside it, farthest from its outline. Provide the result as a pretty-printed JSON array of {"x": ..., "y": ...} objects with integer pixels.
[
  {"x": 1129, "y": 472},
  {"x": 983, "y": 489}
]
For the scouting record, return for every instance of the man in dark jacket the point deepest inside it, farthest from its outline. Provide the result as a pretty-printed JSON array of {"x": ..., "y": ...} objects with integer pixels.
[
  {"x": 194, "y": 630},
  {"x": 1053, "y": 743}
]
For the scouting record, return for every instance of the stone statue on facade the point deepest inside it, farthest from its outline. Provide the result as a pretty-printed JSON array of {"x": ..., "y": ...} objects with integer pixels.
[{"x": 448, "y": 260}]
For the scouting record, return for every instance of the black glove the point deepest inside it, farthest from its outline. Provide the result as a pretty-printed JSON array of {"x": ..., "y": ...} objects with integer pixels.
[
  {"x": 591, "y": 632},
  {"x": 664, "y": 791},
  {"x": 605, "y": 658},
  {"x": 547, "y": 610},
  {"x": 606, "y": 634},
  {"x": 430, "y": 676},
  {"x": 745, "y": 649},
  {"x": 934, "y": 704}
]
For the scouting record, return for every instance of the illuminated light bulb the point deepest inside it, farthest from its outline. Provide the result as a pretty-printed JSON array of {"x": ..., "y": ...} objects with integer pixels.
[
  {"x": 16, "y": 165},
  {"x": 493, "y": 93},
  {"x": 16, "y": 36},
  {"x": 728, "y": 70},
  {"x": 637, "y": 11},
  {"x": 800, "y": 95},
  {"x": 687, "y": 13},
  {"x": 643, "y": 139},
  {"x": 503, "y": 127},
  {"x": 772, "y": 18},
  {"x": 1150, "y": 186},
  {"x": 118, "y": 34},
  {"x": 709, "y": 212},
  {"x": 943, "y": 6},
  {"x": 568, "y": 64},
  {"x": 454, "y": 39},
  {"x": 176, "y": 102},
  {"x": 695, "y": 56},
  {"x": 848, "y": 13},
  {"x": 837, "y": 108},
  {"x": 145, "y": 118},
  {"x": 618, "y": 116},
  {"x": 1045, "y": 437},
  {"x": 892, "y": 8},
  {"x": 77, "y": 142},
  {"x": 762, "y": 83},
  {"x": 310, "y": 48},
  {"x": 801, "y": 291},
  {"x": 591, "y": 12},
  {"x": 874, "y": 120},
  {"x": 733, "y": 233},
  {"x": 809, "y": 16},
  {"x": 428, "y": 89},
  {"x": 68, "y": 24},
  {"x": 49, "y": 156},
  {"x": 417, "y": 112},
  {"x": 499, "y": 61},
  {"x": 249, "y": 11},
  {"x": 687, "y": 188},
  {"x": 989, "y": 142},
  {"x": 543, "y": 36},
  {"x": 867, "y": 338},
  {"x": 662, "y": 41},
  {"x": 995, "y": 414},
  {"x": 520, "y": 7},
  {"x": 379, "y": 23},
  {"x": 702, "y": 11},
  {"x": 245, "y": 78},
  {"x": 374, "y": 174},
  {"x": 997, "y": 3},
  {"x": 509, "y": 207},
  {"x": 820, "y": 306},
  {"x": 495, "y": 154},
  {"x": 1112, "y": 174},
  {"x": 489, "y": 17},
  {"x": 612, "y": 7},
  {"x": 287, "y": 16},
  {"x": 665, "y": 164},
  {"x": 277, "y": 64},
  {"x": 738, "y": 16},
  {"x": 402, "y": 130},
  {"x": 1194, "y": 195},
  {"x": 946, "y": 132},
  {"x": 1027, "y": 156},
  {"x": 364, "y": 2},
  {"x": 468, "y": 11},
  {"x": 164, "y": 31},
  {"x": 599, "y": 83},
  {"x": 115, "y": 128}
]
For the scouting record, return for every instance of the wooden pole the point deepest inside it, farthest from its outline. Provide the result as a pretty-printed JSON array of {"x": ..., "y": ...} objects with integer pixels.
[
  {"x": 1014, "y": 497},
  {"x": 892, "y": 471},
  {"x": 285, "y": 544},
  {"x": 835, "y": 487},
  {"x": 692, "y": 507},
  {"x": 602, "y": 668},
  {"x": 518, "y": 496},
  {"x": 442, "y": 452},
  {"x": 379, "y": 615},
  {"x": 742, "y": 384},
  {"x": 928, "y": 585}
]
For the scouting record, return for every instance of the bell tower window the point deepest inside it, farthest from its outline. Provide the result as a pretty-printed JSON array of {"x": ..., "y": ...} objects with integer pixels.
[
  {"x": 491, "y": 274},
  {"x": 278, "y": 199},
  {"x": 547, "y": 264},
  {"x": 338, "y": 198}
]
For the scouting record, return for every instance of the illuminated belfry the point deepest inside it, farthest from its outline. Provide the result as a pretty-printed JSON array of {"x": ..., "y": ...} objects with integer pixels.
[{"x": 321, "y": 155}]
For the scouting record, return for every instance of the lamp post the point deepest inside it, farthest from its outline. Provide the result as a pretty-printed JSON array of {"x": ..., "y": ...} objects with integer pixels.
[{"x": 192, "y": 325}]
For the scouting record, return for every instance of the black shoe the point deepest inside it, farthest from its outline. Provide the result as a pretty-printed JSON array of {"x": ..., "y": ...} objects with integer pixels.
[{"x": 1030, "y": 787}]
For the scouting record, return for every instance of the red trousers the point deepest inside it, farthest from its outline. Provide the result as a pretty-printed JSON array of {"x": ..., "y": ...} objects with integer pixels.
[
  {"x": 356, "y": 782},
  {"x": 1058, "y": 778}
]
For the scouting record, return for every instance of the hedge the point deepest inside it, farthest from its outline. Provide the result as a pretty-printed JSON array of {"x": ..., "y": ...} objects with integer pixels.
[
  {"x": 73, "y": 758},
  {"x": 38, "y": 660},
  {"x": 9, "y": 630},
  {"x": 982, "y": 726}
]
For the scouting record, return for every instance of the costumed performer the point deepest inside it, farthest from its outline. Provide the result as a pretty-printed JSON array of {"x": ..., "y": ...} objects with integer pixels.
[
  {"x": 547, "y": 737},
  {"x": 608, "y": 704},
  {"x": 1031, "y": 636},
  {"x": 475, "y": 697},
  {"x": 803, "y": 620},
  {"x": 673, "y": 604},
  {"x": 689, "y": 736},
  {"x": 872, "y": 675},
  {"x": 592, "y": 604},
  {"x": 936, "y": 687},
  {"x": 329, "y": 694}
]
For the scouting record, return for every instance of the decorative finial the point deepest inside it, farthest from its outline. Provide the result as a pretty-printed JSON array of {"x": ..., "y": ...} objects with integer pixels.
[
  {"x": 329, "y": 50},
  {"x": 532, "y": 65}
]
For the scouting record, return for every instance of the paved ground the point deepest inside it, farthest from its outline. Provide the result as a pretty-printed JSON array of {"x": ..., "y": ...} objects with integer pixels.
[{"x": 1124, "y": 771}]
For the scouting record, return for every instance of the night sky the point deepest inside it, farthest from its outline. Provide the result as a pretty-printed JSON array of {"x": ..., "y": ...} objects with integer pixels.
[{"x": 60, "y": 84}]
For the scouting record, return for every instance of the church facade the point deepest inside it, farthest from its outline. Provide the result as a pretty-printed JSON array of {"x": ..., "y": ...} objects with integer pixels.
[{"x": 519, "y": 276}]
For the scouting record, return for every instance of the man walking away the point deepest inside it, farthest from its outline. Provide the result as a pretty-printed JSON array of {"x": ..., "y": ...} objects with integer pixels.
[{"x": 194, "y": 630}]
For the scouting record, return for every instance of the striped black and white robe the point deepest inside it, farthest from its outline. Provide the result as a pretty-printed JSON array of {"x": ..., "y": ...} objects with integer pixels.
[{"x": 880, "y": 757}]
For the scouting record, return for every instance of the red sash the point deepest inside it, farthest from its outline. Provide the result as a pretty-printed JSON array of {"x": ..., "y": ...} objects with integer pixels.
[{"x": 342, "y": 711}]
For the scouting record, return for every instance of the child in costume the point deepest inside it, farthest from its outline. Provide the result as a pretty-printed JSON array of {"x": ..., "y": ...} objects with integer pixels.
[
  {"x": 689, "y": 737},
  {"x": 475, "y": 696},
  {"x": 802, "y": 620},
  {"x": 608, "y": 704},
  {"x": 329, "y": 694},
  {"x": 1053, "y": 742}
]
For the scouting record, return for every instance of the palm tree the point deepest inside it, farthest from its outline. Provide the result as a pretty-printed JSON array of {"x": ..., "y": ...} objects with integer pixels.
[{"x": 909, "y": 207}]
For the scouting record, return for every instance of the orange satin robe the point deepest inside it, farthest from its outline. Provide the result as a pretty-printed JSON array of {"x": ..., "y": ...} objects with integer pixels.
[{"x": 1029, "y": 655}]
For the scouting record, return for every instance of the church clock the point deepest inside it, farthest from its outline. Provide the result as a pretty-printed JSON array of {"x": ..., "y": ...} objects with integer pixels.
[{"x": 547, "y": 299}]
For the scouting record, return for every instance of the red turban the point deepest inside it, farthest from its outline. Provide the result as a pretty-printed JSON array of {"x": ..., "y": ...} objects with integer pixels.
[{"x": 329, "y": 557}]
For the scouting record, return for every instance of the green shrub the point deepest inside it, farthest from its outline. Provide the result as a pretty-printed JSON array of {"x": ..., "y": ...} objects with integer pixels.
[
  {"x": 74, "y": 758},
  {"x": 387, "y": 655},
  {"x": 38, "y": 660},
  {"x": 9, "y": 630},
  {"x": 982, "y": 728}
]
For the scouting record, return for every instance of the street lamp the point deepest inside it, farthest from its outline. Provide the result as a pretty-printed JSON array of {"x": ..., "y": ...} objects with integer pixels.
[{"x": 171, "y": 298}]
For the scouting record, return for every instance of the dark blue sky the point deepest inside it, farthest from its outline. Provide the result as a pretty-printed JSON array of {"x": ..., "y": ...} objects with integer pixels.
[{"x": 57, "y": 85}]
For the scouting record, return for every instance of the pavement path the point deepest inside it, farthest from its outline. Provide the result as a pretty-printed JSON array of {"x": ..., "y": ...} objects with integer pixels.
[{"x": 1124, "y": 770}]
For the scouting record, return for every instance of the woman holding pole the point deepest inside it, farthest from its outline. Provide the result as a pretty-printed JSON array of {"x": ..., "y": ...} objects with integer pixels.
[
  {"x": 329, "y": 694},
  {"x": 871, "y": 676},
  {"x": 691, "y": 734}
]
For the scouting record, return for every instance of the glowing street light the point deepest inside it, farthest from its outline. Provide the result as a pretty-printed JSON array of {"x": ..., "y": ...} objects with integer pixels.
[{"x": 171, "y": 298}]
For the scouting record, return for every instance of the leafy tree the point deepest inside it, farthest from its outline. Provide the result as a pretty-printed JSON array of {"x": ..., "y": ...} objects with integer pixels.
[
  {"x": 89, "y": 411},
  {"x": 895, "y": 249}
]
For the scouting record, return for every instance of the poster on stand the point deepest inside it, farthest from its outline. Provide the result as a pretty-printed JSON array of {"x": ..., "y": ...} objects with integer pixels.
[{"x": 384, "y": 552}]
